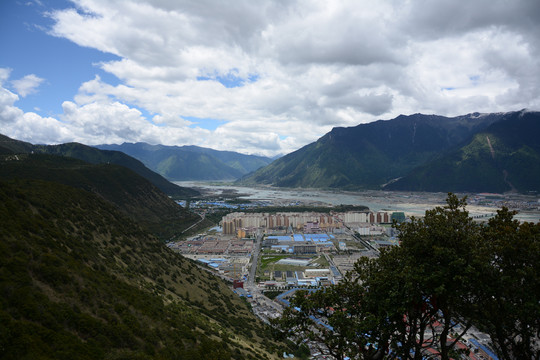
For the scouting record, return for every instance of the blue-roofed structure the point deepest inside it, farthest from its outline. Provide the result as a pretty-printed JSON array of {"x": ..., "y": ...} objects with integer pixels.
[
  {"x": 325, "y": 243},
  {"x": 314, "y": 238},
  {"x": 317, "y": 236},
  {"x": 335, "y": 271},
  {"x": 298, "y": 237},
  {"x": 484, "y": 349},
  {"x": 279, "y": 238},
  {"x": 209, "y": 263}
]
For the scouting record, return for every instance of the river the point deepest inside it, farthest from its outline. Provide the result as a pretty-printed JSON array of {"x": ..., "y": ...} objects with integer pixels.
[{"x": 411, "y": 203}]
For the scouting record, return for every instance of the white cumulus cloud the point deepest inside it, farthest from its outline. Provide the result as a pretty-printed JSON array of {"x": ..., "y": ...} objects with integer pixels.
[{"x": 27, "y": 85}]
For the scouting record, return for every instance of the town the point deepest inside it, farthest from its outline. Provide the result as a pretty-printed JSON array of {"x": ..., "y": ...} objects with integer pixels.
[
  {"x": 268, "y": 249},
  {"x": 269, "y": 256},
  {"x": 297, "y": 249}
]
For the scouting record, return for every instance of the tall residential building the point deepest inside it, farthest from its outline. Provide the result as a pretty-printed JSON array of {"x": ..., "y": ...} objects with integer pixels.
[{"x": 305, "y": 221}]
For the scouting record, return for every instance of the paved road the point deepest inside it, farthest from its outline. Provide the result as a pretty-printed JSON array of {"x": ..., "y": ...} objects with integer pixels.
[
  {"x": 255, "y": 259},
  {"x": 251, "y": 285}
]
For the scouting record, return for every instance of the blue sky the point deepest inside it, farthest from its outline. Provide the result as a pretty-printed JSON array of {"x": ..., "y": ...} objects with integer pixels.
[
  {"x": 261, "y": 77},
  {"x": 62, "y": 64}
]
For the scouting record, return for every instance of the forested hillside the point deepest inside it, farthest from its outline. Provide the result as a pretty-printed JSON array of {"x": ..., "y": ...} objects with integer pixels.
[
  {"x": 96, "y": 156},
  {"x": 132, "y": 194},
  {"x": 80, "y": 280}
]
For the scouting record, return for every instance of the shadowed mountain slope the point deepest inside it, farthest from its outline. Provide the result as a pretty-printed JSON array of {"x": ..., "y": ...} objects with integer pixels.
[
  {"x": 132, "y": 194},
  {"x": 96, "y": 156},
  {"x": 503, "y": 157}
]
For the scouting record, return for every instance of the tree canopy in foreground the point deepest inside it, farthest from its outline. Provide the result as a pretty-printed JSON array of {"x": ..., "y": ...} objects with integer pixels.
[{"x": 418, "y": 300}]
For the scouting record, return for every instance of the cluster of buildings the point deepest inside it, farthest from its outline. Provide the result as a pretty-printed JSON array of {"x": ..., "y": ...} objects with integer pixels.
[
  {"x": 300, "y": 243},
  {"x": 360, "y": 217},
  {"x": 295, "y": 221},
  {"x": 243, "y": 224},
  {"x": 203, "y": 245}
]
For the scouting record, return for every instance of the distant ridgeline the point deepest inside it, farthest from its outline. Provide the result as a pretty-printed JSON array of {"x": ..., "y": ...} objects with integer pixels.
[
  {"x": 496, "y": 152},
  {"x": 180, "y": 163},
  {"x": 96, "y": 156},
  {"x": 132, "y": 194}
]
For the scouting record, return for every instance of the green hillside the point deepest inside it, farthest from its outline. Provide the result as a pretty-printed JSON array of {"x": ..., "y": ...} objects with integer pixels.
[
  {"x": 95, "y": 156},
  {"x": 80, "y": 280},
  {"x": 504, "y": 157},
  {"x": 133, "y": 195}
]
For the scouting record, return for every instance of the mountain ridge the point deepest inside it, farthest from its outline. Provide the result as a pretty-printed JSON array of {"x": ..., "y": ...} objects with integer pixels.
[
  {"x": 95, "y": 156},
  {"x": 504, "y": 157},
  {"x": 129, "y": 192},
  {"x": 368, "y": 156},
  {"x": 190, "y": 162}
]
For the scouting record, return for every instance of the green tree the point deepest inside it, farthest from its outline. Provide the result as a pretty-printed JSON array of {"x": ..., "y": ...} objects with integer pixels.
[
  {"x": 409, "y": 299},
  {"x": 448, "y": 274},
  {"x": 510, "y": 286},
  {"x": 441, "y": 250},
  {"x": 398, "y": 312},
  {"x": 332, "y": 319}
]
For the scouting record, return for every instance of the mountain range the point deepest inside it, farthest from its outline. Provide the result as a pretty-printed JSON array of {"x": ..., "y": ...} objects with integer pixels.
[
  {"x": 495, "y": 152},
  {"x": 179, "y": 163}
]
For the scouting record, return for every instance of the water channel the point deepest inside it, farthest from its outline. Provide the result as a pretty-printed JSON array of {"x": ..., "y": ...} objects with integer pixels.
[{"x": 411, "y": 203}]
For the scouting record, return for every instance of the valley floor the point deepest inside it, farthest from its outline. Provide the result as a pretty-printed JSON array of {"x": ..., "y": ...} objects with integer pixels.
[{"x": 481, "y": 206}]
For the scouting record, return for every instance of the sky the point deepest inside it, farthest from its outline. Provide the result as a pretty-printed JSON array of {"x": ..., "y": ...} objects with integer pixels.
[{"x": 259, "y": 77}]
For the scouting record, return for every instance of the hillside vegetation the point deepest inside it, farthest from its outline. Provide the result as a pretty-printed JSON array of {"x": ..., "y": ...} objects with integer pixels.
[
  {"x": 96, "y": 156},
  {"x": 80, "y": 280},
  {"x": 133, "y": 195}
]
